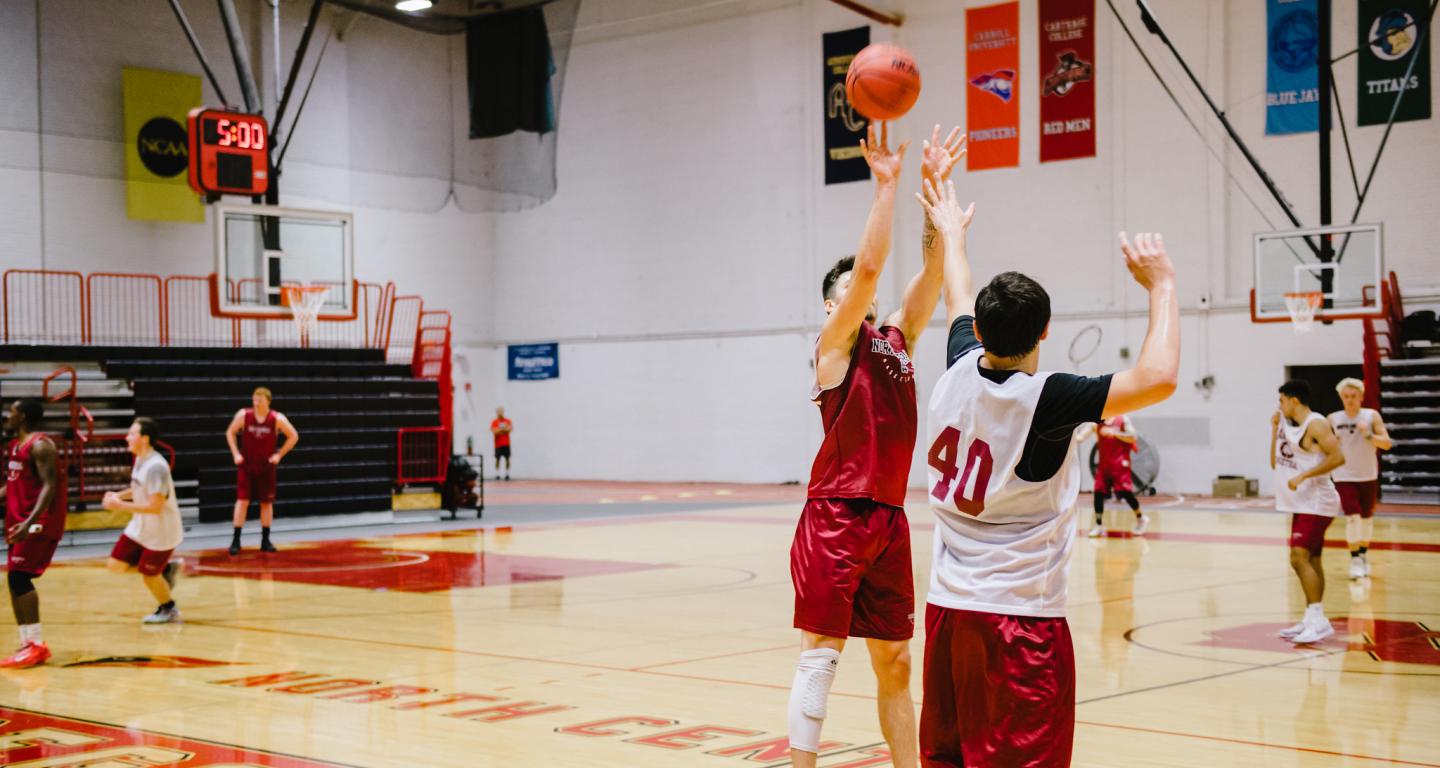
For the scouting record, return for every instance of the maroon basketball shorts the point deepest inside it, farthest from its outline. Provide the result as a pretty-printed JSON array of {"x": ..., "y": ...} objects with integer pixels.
[
  {"x": 999, "y": 691},
  {"x": 31, "y": 555},
  {"x": 1357, "y": 498},
  {"x": 850, "y": 564},
  {"x": 1307, "y": 532},
  {"x": 255, "y": 483},
  {"x": 150, "y": 562},
  {"x": 1114, "y": 479}
]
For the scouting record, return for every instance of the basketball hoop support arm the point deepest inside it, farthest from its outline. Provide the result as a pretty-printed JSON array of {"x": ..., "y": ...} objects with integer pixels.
[
  {"x": 1153, "y": 26},
  {"x": 893, "y": 20},
  {"x": 195, "y": 46}
]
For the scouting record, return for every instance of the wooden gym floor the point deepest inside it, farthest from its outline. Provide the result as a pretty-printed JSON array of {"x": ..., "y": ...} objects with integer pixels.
[{"x": 625, "y": 625}]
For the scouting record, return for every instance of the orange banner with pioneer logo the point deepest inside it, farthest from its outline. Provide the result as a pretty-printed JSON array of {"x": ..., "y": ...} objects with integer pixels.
[{"x": 992, "y": 101}]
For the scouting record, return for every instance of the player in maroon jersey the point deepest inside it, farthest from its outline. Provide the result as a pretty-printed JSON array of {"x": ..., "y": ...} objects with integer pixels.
[
  {"x": 255, "y": 461},
  {"x": 1115, "y": 440},
  {"x": 34, "y": 494},
  {"x": 850, "y": 561}
]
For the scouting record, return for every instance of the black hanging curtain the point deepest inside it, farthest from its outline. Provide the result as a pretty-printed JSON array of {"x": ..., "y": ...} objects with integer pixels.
[{"x": 510, "y": 67}]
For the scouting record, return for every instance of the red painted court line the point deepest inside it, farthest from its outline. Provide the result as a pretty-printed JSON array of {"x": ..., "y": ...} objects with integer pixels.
[{"x": 1265, "y": 745}]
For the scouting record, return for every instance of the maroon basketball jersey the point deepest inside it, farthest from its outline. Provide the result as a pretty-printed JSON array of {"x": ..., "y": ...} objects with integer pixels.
[
  {"x": 1114, "y": 454},
  {"x": 869, "y": 423},
  {"x": 257, "y": 439},
  {"x": 24, "y": 485}
]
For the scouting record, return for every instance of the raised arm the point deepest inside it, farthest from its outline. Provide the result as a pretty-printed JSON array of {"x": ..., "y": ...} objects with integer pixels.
[
  {"x": 952, "y": 223},
  {"x": 837, "y": 336},
  {"x": 923, "y": 292},
  {"x": 1153, "y": 377}
]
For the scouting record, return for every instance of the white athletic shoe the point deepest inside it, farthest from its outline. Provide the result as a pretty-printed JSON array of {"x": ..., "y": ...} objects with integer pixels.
[
  {"x": 1290, "y": 632},
  {"x": 1365, "y": 566},
  {"x": 1096, "y": 531},
  {"x": 163, "y": 616},
  {"x": 1357, "y": 567},
  {"x": 1142, "y": 525},
  {"x": 1314, "y": 633}
]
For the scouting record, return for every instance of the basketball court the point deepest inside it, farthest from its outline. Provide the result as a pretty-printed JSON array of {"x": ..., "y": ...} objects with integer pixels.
[{"x": 397, "y": 218}]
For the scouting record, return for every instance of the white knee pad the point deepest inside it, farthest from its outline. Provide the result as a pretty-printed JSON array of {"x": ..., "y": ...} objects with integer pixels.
[
  {"x": 809, "y": 695},
  {"x": 1354, "y": 530}
]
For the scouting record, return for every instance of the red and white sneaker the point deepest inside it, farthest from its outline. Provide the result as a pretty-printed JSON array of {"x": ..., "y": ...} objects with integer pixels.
[{"x": 32, "y": 655}]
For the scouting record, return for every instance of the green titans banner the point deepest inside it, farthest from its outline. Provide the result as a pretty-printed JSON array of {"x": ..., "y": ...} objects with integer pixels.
[
  {"x": 157, "y": 187},
  {"x": 1393, "y": 60}
]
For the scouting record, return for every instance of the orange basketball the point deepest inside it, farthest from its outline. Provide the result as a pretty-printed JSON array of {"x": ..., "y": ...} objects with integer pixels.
[{"x": 882, "y": 82}]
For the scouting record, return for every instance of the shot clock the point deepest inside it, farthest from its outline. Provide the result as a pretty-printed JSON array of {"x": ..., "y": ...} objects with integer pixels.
[{"x": 229, "y": 152}]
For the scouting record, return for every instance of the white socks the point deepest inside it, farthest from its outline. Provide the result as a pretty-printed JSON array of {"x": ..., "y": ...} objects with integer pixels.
[{"x": 29, "y": 633}]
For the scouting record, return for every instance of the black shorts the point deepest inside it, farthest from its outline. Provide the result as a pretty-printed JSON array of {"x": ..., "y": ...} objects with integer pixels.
[{"x": 502, "y": 451}]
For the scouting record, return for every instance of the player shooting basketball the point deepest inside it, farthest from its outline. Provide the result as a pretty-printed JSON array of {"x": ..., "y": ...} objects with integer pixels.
[{"x": 850, "y": 561}]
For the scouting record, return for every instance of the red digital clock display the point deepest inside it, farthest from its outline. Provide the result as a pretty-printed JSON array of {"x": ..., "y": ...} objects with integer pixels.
[{"x": 229, "y": 153}]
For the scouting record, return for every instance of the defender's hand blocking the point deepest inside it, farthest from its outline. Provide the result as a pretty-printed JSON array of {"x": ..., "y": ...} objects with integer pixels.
[
  {"x": 944, "y": 210},
  {"x": 939, "y": 159},
  {"x": 883, "y": 163},
  {"x": 1147, "y": 261}
]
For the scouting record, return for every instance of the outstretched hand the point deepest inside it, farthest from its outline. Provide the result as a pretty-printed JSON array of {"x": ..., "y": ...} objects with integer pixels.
[
  {"x": 939, "y": 159},
  {"x": 944, "y": 210},
  {"x": 1147, "y": 261},
  {"x": 883, "y": 163}
]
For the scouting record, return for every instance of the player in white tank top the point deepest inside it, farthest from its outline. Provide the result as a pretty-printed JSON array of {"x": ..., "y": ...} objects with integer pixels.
[
  {"x": 1361, "y": 432},
  {"x": 1003, "y": 483},
  {"x": 1303, "y": 452}
]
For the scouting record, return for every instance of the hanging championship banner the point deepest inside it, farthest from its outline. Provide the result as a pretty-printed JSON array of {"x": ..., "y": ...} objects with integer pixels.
[
  {"x": 1292, "y": 81},
  {"x": 992, "y": 102},
  {"x": 844, "y": 127},
  {"x": 157, "y": 155},
  {"x": 1389, "y": 31},
  {"x": 1067, "y": 87}
]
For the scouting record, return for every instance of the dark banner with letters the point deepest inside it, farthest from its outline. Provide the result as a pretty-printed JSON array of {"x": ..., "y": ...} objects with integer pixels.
[
  {"x": 844, "y": 127},
  {"x": 1390, "y": 33},
  {"x": 1067, "y": 85},
  {"x": 529, "y": 362}
]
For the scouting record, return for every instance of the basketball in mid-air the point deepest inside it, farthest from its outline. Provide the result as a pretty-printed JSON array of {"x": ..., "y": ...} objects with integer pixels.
[{"x": 882, "y": 82}]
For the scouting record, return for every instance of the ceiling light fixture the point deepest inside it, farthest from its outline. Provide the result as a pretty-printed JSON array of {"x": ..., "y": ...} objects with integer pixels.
[{"x": 411, "y": 6}]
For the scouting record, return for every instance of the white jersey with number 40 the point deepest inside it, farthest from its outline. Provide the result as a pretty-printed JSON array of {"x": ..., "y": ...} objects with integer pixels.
[{"x": 1003, "y": 543}]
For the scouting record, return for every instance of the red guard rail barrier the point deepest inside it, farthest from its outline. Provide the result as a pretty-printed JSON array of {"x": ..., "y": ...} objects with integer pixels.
[
  {"x": 125, "y": 309},
  {"x": 422, "y": 455},
  {"x": 44, "y": 307}
]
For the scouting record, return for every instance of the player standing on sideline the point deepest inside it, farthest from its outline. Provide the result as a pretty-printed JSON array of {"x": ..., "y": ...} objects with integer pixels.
[
  {"x": 255, "y": 460},
  {"x": 501, "y": 428},
  {"x": 154, "y": 530},
  {"x": 1361, "y": 432},
  {"x": 1303, "y": 452},
  {"x": 999, "y": 665},
  {"x": 34, "y": 494},
  {"x": 850, "y": 560},
  {"x": 1115, "y": 440}
]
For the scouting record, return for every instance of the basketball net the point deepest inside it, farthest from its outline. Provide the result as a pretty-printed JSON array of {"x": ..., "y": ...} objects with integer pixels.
[
  {"x": 305, "y": 302},
  {"x": 1302, "y": 308}
]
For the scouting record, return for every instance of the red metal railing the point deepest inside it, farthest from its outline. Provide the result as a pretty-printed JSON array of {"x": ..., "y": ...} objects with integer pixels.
[
  {"x": 106, "y": 308},
  {"x": 125, "y": 309},
  {"x": 1393, "y": 345},
  {"x": 422, "y": 455},
  {"x": 44, "y": 307}
]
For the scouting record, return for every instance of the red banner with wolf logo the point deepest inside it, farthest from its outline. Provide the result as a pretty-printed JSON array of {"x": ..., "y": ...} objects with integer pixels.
[
  {"x": 1067, "y": 84},
  {"x": 992, "y": 102}
]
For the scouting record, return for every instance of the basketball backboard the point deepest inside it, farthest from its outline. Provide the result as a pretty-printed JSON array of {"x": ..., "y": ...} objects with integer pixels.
[
  {"x": 260, "y": 249},
  {"x": 1344, "y": 264}
]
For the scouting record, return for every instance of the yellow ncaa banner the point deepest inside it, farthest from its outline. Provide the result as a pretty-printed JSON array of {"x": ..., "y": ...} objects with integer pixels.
[{"x": 157, "y": 156}]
